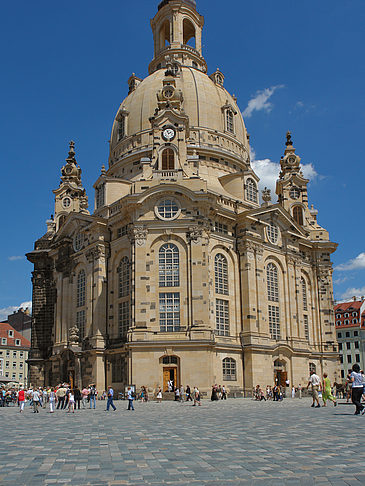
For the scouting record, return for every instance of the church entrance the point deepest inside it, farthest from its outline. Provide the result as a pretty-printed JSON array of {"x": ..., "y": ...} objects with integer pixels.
[
  {"x": 67, "y": 368},
  {"x": 170, "y": 373},
  {"x": 169, "y": 376},
  {"x": 280, "y": 373}
]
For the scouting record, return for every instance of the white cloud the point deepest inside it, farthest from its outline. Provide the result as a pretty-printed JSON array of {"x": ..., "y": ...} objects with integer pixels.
[
  {"x": 261, "y": 101},
  {"x": 15, "y": 258},
  {"x": 353, "y": 292},
  {"x": 6, "y": 311},
  {"x": 268, "y": 171},
  {"x": 341, "y": 280},
  {"x": 353, "y": 264}
]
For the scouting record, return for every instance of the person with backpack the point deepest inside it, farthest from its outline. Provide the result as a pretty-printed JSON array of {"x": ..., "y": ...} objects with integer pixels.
[{"x": 92, "y": 395}]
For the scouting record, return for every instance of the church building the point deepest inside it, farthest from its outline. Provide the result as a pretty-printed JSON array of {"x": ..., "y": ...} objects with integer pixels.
[{"x": 180, "y": 272}]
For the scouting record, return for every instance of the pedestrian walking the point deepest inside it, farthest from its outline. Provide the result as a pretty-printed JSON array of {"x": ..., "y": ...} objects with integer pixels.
[
  {"x": 71, "y": 402},
  {"x": 44, "y": 398},
  {"x": 110, "y": 399},
  {"x": 159, "y": 395},
  {"x": 196, "y": 397},
  {"x": 293, "y": 392},
  {"x": 300, "y": 390},
  {"x": 60, "y": 394},
  {"x": 85, "y": 394},
  {"x": 21, "y": 399},
  {"x": 357, "y": 388},
  {"x": 188, "y": 393},
  {"x": 52, "y": 399},
  {"x": 92, "y": 395},
  {"x": 224, "y": 393},
  {"x": 181, "y": 394},
  {"x": 327, "y": 392},
  {"x": 77, "y": 394},
  {"x": 315, "y": 384},
  {"x": 35, "y": 398},
  {"x": 130, "y": 397}
]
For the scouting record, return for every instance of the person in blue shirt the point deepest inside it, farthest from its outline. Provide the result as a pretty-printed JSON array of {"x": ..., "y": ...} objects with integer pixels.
[
  {"x": 110, "y": 399},
  {"x": 130, "y": 397}
]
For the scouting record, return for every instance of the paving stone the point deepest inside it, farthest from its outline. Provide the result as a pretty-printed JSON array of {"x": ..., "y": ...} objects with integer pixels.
[{"x": 237, "y": 442}]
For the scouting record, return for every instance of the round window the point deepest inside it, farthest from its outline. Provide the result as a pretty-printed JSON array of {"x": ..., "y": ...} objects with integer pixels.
[
  {"x": 168, "y": 92},
  {"x": 168, "y": 209},
  {"x": 66, "y": 202},
  {"x": 273, "y": 233},
  {"x": 78, "y": 241},
  {"x": 295, "y": 193}
]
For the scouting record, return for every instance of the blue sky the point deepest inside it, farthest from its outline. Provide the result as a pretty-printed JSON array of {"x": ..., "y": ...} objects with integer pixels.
[{"x": 292, "y": 65}]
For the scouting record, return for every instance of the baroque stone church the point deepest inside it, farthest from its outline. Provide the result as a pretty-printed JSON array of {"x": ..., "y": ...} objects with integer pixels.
[{"x": 180, "y": 273}]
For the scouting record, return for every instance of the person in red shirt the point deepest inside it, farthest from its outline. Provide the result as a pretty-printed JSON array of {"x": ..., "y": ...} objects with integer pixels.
[{"x": 21, "y": 399}]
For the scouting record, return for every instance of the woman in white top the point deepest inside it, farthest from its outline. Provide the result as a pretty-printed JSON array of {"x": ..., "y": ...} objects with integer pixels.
[
  {"x": 52, "y": 400},
  {"x": 71, "y": 403},
  {"x": 357, "y": 388},
  {"x": 159, "y": 395}
]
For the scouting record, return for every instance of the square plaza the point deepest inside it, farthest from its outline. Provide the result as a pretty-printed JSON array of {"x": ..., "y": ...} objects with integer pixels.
[{"x": 238, "y": 441}]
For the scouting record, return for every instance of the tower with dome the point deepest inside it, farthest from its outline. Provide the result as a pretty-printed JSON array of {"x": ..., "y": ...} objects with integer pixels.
[{"x": 180, "y": 273}]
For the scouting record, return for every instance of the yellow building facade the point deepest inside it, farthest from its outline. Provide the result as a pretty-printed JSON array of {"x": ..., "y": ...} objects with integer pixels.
[{"x": 181, "y": 273}]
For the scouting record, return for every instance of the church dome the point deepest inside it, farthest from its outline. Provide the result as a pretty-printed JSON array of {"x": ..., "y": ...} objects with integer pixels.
[{"x": 205, "y": 102}]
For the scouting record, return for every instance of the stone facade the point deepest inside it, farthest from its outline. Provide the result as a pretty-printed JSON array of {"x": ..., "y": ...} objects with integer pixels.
[{"x": 180, "y": 273}]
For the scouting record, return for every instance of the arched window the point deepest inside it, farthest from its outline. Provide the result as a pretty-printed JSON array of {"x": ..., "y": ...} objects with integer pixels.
[
  {"x": 81, "y": 302},
  {"x": 168, "y": 159},
  {"x": 312, "y": 367},
  {"x": 81, "y": 289},
  {"x": 304, "y": 294},
  {"x": 229, "y": 121},
  {"x": 168, "y": 264},
  {"x": 229, "y": 369},
  {"x": 124, "y": 277},
  {"x": 273, "y": 296},
  {"x": 121, "y": 127},
  {"x": 188, "y": 33},
  {"x": 221, "y": 274},
  {"x": 272, "y": 283},
  {"x": 298, "y": 215},
  {"x": 61, "y": 220},
  {"x": 165, "y": 34},
  {"x": 251, "y": 190}
]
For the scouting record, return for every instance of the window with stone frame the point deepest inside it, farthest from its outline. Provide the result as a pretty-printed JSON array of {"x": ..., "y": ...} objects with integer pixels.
[
  {"x": 274, "y": 322},
  {"x": 121, "y": 127},
  {"x": 251, "y": 190},
  {"x": 119, "y": 368},
  {"x": 169, "y": 266},
  {"x": 124, "y": 277},
  {"x": 222, "y": 317},
  {"x": 81, "y": 289},
  {"x": 312, "y": 367},
  {"x": 298, "y": 215},
  {"x": 80, "y": 322},
  {"x": 306, "y": 327},
  {"x": 221, "y": 274},
  {"x": 229, "y": 369},
  {"x": 229, "y": 121},
  {"x": 272, "y": 282},
  {"x": 169, "y": 307},
  {"x": 123, "y": 318},
  {"x": 304, "y": 294},
  {"x": 168, "y": 159},
  {"x": 100, "y": 196}
]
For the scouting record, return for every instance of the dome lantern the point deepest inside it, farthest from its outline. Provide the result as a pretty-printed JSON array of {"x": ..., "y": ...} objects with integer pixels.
[{"x": 177, "y": 33}]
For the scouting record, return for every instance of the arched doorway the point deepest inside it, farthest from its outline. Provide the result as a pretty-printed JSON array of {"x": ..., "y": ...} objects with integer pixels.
[
  {"x": 171, "y": 372},
  {"x": 280, "y": 373},
  {"x": 67, "y": 367}
]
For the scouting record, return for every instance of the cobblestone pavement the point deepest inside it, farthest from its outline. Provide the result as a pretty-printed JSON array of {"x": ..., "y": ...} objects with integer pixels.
[{"x": 233, "y": 442}]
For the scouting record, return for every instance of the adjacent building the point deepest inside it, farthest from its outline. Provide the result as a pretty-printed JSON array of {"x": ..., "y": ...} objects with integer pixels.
[
  {"x": 350, "y": 329},
  {"x": 14, "y": 350},
  {"x": 181, "y": 273},
  {"x": 21, "y": 321}
]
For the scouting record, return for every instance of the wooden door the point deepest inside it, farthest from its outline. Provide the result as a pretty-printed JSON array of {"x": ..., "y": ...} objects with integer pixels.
[
  {"x": 166, "y": 378},
  {"x": 283, "y": 378}
]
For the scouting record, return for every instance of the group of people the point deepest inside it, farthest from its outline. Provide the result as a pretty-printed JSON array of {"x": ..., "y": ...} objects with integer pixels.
[
  {"x": 218, "y": 393},
  {"x": 182, "y": 394},
  {"x": 274, "y": 393}
]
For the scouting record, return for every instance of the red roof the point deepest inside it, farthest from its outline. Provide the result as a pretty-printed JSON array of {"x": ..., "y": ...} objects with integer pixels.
[
  {"x": 4, "y": 328},
  {"x": 354, "y": 305}
]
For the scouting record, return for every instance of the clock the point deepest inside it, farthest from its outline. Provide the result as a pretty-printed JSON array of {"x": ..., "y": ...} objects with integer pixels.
[{"x": 168, "y": 134}]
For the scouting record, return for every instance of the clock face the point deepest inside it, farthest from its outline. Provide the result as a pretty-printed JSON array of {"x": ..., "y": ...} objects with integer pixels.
[{"x": 168, "y": 134}]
